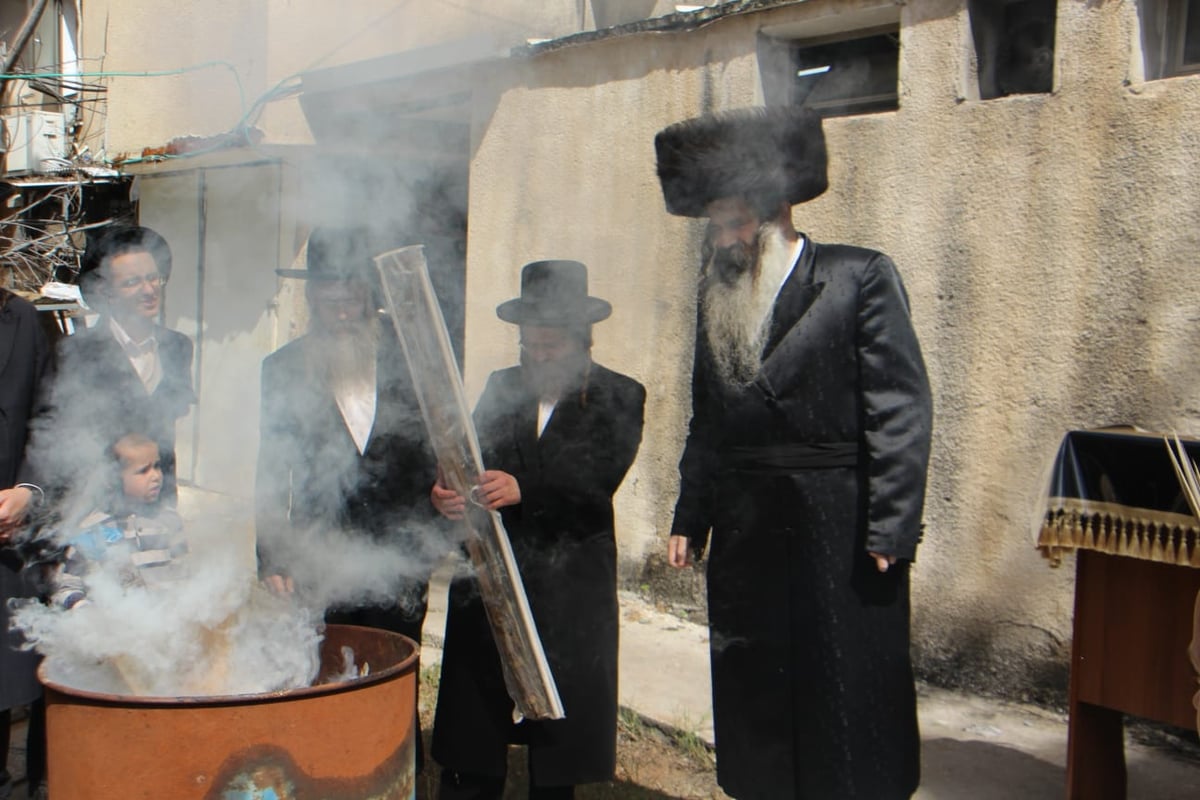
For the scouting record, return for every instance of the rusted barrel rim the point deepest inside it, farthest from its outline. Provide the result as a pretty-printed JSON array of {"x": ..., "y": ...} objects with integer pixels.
[{"x": 246, "y": 699}]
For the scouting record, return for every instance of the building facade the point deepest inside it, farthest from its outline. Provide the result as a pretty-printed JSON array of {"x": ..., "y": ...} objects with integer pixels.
[{"x": 1032, "y": 167}]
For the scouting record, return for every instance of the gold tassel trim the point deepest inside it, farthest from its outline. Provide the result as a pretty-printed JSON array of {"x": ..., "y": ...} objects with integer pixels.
[{"x": 1140, "y": 533}]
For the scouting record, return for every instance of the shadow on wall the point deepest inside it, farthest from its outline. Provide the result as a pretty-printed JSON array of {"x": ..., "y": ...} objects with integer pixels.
[{"x": 1007, "y": 659}]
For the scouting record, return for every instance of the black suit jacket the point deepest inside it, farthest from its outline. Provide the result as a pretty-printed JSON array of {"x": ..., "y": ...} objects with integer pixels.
[
  {"x": 841, "y": 365},
  {"x": 98, "y": 396},
  {"x": 310, "y": 473},
  {"x": 24, "y": 364}
]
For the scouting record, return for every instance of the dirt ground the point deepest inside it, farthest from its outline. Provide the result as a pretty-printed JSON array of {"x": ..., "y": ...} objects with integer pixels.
[{"x": 652, "y": 763}]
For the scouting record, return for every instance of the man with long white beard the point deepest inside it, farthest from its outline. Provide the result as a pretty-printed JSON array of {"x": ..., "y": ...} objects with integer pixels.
[
  {"x": 806, "y": 459},
  {"x": 343, "y": 448}
]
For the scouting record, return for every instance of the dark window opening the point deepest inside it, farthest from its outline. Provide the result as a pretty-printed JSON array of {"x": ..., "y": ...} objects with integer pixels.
[
  {"x": 852, "y": 74},
  {"x": 1014, "y": 46},
  {"x": 1191, "y": 36}
]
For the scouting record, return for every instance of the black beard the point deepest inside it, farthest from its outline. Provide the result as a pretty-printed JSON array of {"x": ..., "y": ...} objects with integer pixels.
[
  {"x": 729, "y": 264},
  {"x": 551, "y": 380}
]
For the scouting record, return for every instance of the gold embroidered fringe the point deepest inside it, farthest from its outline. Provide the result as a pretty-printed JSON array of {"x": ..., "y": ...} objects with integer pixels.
[{"x": 1072, "y": 524}]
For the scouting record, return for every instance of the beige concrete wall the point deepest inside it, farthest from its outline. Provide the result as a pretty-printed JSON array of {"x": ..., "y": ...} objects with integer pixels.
[
  {"x": 218, "y": 44},
  {"x": 228, "y": 230},
  {"x": 123, "y": 37},
  {"x": 1047, "y": 242},
  {"x": 564, "y": 168}
]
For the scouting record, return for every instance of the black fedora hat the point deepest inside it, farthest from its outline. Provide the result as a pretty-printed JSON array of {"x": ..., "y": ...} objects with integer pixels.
[
  {"x": 337, "y": 254},
  {"x": 554, "y": 293}
]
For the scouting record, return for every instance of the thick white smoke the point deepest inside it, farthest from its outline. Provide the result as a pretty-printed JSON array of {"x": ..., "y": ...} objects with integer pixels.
[{"x": 215, "y": 630}]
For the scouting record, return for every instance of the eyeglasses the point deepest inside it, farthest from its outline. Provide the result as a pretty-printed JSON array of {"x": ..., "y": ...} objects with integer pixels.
[{"x": 153, "y": 280}]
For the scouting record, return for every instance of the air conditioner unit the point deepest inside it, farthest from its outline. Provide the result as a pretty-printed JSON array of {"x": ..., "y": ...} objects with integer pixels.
[{"x": 35, "y": 141}]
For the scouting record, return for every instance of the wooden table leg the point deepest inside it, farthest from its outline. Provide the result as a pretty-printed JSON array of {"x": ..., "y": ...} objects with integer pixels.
[
  {"x": 1095, "y": 753},
  {"x": 1095, "y": 733}
]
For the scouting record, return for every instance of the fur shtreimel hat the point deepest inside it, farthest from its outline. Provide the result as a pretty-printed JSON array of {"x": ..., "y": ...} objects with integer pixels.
[{"x": 776, "y": 154}]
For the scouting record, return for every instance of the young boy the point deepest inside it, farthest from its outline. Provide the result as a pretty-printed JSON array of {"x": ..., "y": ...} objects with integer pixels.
[{"x": 146, "y": 536}]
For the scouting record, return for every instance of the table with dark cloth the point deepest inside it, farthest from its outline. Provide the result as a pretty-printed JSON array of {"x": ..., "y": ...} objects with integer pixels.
[{"x": 1115, "y": 500}]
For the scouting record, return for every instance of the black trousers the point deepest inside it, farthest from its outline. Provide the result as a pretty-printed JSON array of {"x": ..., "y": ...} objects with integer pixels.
[
  {"x": 35, "y": 742},
  {"x": 467, "y": 786}
]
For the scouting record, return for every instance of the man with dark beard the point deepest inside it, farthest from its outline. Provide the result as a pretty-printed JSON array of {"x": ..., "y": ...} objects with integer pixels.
[
  {"x": 342, "y": 445},
  {"x": 558, "y": 434},
  {"x": 806, "y": 459}
]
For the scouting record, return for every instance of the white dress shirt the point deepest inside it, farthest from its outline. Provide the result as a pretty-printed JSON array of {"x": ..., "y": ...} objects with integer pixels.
[
  {"x": 142, "y": 355},
  {"x": 545, "y": 411},
  {"x": 357, "y": 404},
  {"x": 795, "y": 260}
]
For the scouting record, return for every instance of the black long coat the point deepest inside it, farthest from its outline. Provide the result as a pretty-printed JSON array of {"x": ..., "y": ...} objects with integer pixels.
[
  {"x": 563, "y": 540},
  {"x": 24, "y": 365},
  {"x": 310, "y": 473},
  {"x": 98, "y": 396},
  {"x": 798, "y": 474}
]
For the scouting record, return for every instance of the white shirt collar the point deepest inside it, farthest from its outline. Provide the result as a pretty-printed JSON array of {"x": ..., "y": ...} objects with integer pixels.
[
  {"x": 796, "y": 253},
  {"x": 358, "y": 405},
  {"x": 143, "y": 355},
  {"x": 127, "y": 343},
  {"x": 545, "y": 411}
]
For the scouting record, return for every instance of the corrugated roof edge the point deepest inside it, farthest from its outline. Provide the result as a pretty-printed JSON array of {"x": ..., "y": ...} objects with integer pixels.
[{"x": 679, "y": 22}]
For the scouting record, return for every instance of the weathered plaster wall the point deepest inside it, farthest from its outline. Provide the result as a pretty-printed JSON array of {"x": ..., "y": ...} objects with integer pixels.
[
  {"x": 227, "y": 229},
  {"x": 122, "y": 37},
  {"x": 564, "y": 168},
  {"x": 1047, "y": 242},
  {"x": 265, "y": 43}
]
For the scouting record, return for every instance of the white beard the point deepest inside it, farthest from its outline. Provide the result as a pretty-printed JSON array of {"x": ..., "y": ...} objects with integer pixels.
[
  {"x": 737, "y": 317},
  {"x": 345, "y": 360}
]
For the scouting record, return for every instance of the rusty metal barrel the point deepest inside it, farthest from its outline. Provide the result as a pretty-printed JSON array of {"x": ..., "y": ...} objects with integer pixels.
[{"x": 349, "y": 739}]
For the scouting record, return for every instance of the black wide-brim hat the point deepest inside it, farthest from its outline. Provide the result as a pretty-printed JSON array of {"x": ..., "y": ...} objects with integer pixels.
[
  {"x": 338, "y": 254},
  {"x": 776, "y": 153},
  {"x": 554, "y": 293}
]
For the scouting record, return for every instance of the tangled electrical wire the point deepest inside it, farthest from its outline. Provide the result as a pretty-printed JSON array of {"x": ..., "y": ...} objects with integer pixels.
[{"x": 44, "y": 240}]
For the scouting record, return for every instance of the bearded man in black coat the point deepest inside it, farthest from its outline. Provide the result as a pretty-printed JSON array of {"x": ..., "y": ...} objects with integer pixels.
[
  {"x": 806, "y": 459},
  {"x": 558, "y": 433},
  {"x": 343, "y": 450}
]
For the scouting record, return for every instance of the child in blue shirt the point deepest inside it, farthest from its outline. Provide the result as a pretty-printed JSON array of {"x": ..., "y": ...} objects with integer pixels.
[{"x": 144, "y": 536}]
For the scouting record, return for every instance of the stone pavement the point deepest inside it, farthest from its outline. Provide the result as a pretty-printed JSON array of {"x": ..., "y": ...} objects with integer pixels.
[{"x": 972, "y": 747}]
